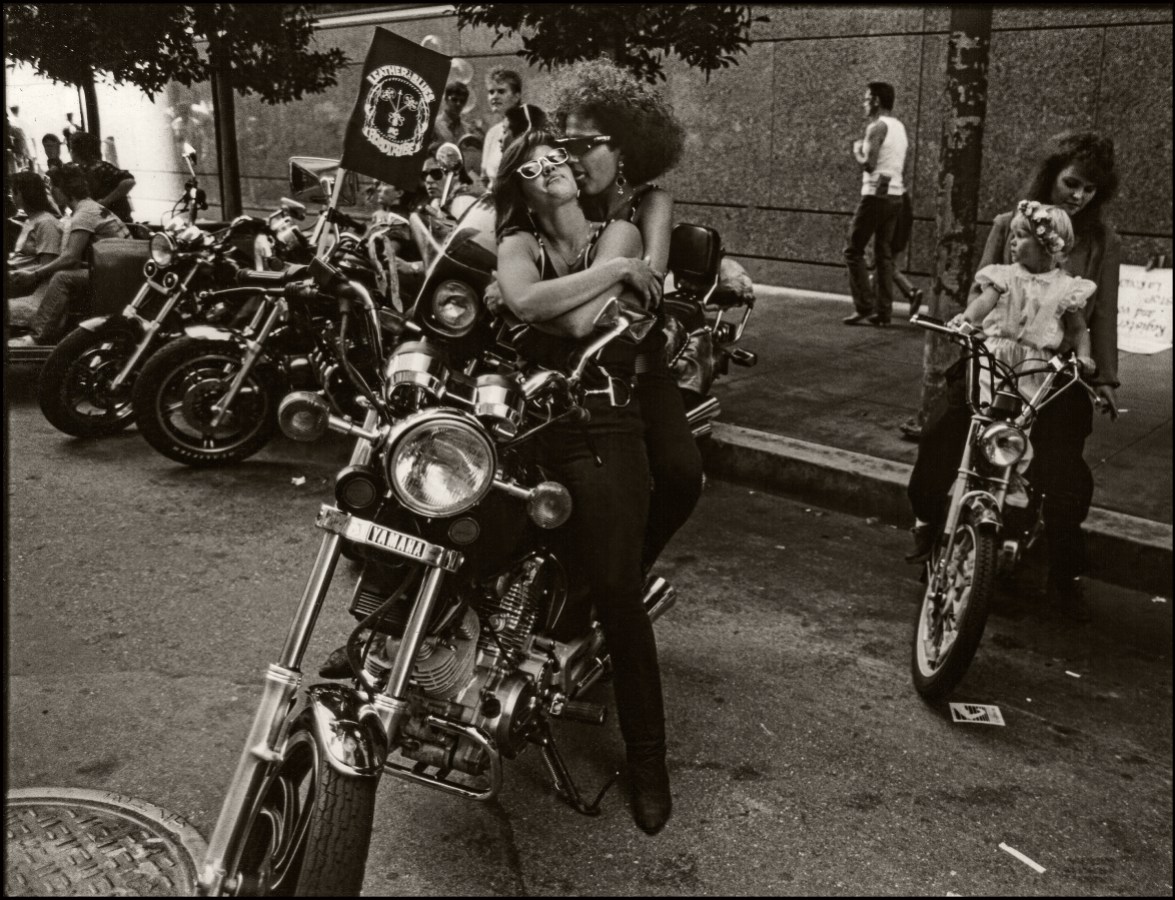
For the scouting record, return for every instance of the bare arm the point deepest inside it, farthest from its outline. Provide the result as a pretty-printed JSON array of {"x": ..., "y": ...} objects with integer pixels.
[
  {"x": 1077, "y": 336},
  {"x": 123, "y": 188},
  {"x": 655, "y": 221},
  {"x": 867, "y": 151},
  {"x": 69, "y": 258},
  {"x": 980, "y": 306},
  {"x": 532, "y": 299}
]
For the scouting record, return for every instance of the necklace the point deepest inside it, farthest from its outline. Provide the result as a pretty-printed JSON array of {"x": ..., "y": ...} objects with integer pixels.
[{"x": 574, "y": 258}]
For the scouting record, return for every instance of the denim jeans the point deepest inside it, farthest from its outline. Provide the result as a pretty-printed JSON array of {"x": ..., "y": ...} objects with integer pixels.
[
  {"x": 68, "y": 291},
  {"x": 875, "y": 219}
]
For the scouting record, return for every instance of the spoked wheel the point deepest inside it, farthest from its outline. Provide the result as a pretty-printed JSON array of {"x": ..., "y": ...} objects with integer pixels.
[
  {"x": 75, "y": 391},
  {"x": 954, "y": 609},
  {"x": 175, "y": 397},
  {"x": 310, "y": 833}
]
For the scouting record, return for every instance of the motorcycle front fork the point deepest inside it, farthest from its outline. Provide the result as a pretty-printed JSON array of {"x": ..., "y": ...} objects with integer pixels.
[
  {"x": 150, "y": 328},
  {"x": 279, "y": 692},
  {"x": 961, "y": 494},
  {"x": 253, "y": 346}
]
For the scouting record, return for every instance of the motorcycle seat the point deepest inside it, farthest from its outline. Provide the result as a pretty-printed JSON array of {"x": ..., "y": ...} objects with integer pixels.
[{"x": 116, "y": 273}]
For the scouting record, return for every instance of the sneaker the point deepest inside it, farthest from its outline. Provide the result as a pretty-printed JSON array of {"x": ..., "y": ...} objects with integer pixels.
[
  {"x": 855, "y": 318},
  {"x": 1067, "y": 596},
  {"x": 923, "y": 543}
]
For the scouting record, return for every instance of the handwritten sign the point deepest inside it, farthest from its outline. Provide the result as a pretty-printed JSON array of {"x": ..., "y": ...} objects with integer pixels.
[{"x": 1144, "y": 309}]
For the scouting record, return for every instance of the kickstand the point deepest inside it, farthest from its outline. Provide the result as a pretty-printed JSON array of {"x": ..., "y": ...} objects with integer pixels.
[{"x": 565, "y": 788}]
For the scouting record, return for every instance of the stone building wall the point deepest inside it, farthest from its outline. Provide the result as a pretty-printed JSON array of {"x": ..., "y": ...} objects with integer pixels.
[{"x": 767, "y": 159}]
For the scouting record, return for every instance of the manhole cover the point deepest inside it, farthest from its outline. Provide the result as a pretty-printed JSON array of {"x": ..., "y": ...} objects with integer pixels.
[{"x": 73, "y": 842}]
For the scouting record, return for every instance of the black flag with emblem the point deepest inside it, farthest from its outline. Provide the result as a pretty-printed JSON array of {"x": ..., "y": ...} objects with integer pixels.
[{"x": 399, "y": 96}]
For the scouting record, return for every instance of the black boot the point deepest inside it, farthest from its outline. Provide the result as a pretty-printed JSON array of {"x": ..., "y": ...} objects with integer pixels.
[
  {"x": 1067, "y": 595},
  {"x": 923, "y": 543},
  {"x": 649, "y": 777}
]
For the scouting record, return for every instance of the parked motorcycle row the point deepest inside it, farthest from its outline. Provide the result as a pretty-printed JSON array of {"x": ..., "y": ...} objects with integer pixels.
[{"x": 463, "y": 652}]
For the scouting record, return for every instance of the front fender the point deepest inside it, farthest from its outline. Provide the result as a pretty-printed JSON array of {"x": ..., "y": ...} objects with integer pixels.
[
  {"x": 214, "y": 333},
  {"x": 985, "y": 510},
  {"x": 113, "y": 323},
  {"x": 348, "y": 730}
]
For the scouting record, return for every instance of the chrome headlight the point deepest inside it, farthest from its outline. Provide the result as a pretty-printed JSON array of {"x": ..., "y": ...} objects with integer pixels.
[
  {"x": 454, "y": 308},
  {"x": 1003, "y": 444},
  {"x": 440, "y": 463},
  {"x": 162, "y": 249}
]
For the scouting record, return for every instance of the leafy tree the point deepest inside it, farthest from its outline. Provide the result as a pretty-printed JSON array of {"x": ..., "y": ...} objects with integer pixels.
[
  {"x": 258, "y": 48},
  {"x": 705, "y": 36}
]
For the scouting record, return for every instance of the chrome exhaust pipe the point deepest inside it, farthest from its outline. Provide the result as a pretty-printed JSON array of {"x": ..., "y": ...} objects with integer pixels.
[
  {"x": 707, "y": 409},
  {"x": 659, "y": 597}
]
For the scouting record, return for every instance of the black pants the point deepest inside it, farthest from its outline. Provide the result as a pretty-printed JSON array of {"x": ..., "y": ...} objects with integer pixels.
[
  {"x": 674, "y": 459},
  {"x": 602, "y": 543},
  {"x": 875, "y": 219},
  {"x": 1058, "y": 470}
]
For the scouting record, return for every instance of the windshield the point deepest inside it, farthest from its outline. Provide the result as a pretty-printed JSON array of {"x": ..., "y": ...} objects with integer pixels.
[{"x": 472, "y": 242}]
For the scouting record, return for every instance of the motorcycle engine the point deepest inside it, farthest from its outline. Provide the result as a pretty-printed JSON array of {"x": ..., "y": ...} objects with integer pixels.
[{"x": 484, "y": 671}]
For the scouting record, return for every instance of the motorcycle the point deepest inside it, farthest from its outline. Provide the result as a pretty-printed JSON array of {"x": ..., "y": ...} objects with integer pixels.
[
  {"x": 464, "y": 649},
  {"x": 994, "y": 516},
  {"x": 85, "y": 386},
  {"x": 461, "y": 600},
  {"x": 210, "y": 396}
]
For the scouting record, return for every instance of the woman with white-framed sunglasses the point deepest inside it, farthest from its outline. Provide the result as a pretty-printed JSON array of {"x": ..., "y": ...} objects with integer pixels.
[{"x": 555, "y": 271}]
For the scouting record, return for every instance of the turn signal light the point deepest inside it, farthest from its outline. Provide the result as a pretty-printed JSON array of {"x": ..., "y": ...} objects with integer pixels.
[
  {"x": 303, "y": 416},
  {"x": 549, "y": 505}
]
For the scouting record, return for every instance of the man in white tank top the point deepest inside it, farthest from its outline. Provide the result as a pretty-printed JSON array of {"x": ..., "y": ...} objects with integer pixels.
[{"x": 882, "y": 157}]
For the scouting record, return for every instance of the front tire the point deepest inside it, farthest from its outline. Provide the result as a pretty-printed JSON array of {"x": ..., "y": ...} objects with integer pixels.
[
  {"x": 74, "y": 389},
  {"x": 174, "y": 395},
  {"x": 949, "y": 626},
  {"x": 310, "y": 833}
]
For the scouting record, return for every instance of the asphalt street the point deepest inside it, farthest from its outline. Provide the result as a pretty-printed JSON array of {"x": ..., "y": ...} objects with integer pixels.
[{"x": 145, "y": 600}]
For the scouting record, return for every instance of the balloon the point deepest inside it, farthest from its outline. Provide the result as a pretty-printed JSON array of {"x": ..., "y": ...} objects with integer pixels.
[
  {"x": 460, "y": 70},
  {"x": 431, "y": 42}
]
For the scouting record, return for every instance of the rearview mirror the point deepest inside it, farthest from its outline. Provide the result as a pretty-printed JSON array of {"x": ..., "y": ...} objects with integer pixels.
[{"x": 449, "y": 156}]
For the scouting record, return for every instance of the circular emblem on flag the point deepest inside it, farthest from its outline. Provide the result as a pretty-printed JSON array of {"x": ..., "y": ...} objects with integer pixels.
[{"x": 396, "y": 112}]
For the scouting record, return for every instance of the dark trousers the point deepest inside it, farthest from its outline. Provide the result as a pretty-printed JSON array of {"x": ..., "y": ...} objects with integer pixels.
[
  {"x": 602, "y": 543},
  {"x": 1058, "y": 470},
  {"x": 875, "y": 219},
  {"x": 674, "y": 459}
]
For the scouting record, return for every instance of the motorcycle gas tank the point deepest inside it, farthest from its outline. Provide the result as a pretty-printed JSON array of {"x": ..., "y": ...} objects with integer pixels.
[{"x": 468, "y": 258}]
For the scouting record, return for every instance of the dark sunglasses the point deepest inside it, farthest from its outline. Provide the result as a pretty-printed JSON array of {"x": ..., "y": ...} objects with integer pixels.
[
  {"x": 534, "y": 168},
  {"x": 578, "y": 146},
  {"x": 456, "y": 95},
  {"x": 434, "y": 173}
]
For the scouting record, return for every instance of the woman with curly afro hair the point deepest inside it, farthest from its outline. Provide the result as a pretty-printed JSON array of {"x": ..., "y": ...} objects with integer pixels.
[{"x": 621, "y": 134}]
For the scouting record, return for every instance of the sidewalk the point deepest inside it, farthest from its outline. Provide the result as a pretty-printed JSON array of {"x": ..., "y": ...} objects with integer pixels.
[{"x": 818, "y": 418}]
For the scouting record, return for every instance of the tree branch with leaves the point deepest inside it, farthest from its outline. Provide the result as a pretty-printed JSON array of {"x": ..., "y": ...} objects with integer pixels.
[{"x": 704, "y": 36}]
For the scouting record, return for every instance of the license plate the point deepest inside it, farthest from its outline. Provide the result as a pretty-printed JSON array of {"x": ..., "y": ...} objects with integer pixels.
[{"x": 406, "y": 546}]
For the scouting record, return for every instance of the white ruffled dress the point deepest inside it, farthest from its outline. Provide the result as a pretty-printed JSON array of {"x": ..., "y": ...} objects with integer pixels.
[{"x": 1025, "y": 325}]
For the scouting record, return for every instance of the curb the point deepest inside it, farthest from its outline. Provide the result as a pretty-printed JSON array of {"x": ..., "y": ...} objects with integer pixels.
[{"x": 1123, "y": 550}]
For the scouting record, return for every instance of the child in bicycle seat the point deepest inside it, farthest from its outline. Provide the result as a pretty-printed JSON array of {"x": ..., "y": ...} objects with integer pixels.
[{"x": 1029, "y": 310}]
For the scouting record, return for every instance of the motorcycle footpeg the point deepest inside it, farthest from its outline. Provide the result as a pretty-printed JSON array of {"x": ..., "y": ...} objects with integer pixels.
[
  {"x": 583, "y": 711},
  {"x": 741, "y": 357}
]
